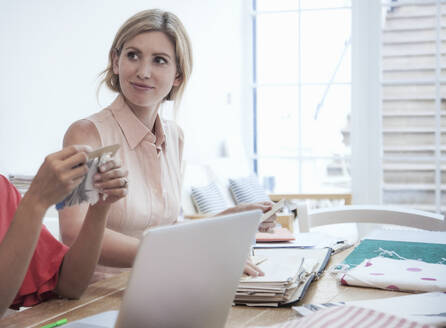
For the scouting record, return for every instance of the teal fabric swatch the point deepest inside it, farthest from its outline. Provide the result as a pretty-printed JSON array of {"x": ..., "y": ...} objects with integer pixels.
[{"x": 370, "y": 248}]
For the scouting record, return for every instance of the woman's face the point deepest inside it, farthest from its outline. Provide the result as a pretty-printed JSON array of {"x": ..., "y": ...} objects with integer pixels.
[{"x": 147, "y": 69}]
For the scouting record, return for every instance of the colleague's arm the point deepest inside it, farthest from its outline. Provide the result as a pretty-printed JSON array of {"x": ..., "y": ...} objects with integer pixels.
[
  {"x": 60, "y": 173},
  {"x": 80, "y": 261},
  {"x": 118, "y": 250},
  {"x": 263, "y": 206}
]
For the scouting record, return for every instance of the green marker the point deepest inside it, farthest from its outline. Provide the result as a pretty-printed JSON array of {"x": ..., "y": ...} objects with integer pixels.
[{"x": 56, "y": 324}]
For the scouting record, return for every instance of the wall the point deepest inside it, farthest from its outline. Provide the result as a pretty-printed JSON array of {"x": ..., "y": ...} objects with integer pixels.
[{"x": 51, "y": 54}]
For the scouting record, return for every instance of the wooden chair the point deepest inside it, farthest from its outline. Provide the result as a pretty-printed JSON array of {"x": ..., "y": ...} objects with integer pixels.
[{"x": 308, "y": 218}]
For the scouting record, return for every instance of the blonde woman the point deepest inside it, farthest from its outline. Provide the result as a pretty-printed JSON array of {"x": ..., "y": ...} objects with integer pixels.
[{"x": 150, "y": 61}]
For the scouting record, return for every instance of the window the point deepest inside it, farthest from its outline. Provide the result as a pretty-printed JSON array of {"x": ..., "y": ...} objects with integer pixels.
[{"x": 301, "y": 94}]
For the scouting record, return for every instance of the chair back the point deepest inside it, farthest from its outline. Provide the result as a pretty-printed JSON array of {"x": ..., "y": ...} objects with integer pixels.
[{"x": 308, "y": 218}]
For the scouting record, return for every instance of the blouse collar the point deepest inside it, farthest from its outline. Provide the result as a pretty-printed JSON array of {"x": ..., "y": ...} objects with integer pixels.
[{"x": 133, "y": 129}]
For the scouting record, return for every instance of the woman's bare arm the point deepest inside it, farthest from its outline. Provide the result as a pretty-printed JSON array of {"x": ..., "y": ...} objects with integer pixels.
[
  {"x": 80, "y": 261},
  {"x": 118, "y": 250},
  {"x": 55, "y": 179}
]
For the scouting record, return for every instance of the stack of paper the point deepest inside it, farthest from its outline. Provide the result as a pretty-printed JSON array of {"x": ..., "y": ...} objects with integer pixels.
[
  {"x": 288, "y": 272},
  {"x": 21, "y": 182}
]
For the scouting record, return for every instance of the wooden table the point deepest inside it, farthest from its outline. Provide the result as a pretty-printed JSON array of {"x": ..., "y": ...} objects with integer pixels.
[{"x": 107, "y": 294}]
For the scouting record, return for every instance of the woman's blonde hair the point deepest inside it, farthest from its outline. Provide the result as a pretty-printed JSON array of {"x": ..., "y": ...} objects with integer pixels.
[{"x": 148, "y": 21}]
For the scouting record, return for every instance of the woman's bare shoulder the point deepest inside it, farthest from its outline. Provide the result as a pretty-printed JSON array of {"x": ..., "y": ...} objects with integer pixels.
[{"x": 82, "y": 132}]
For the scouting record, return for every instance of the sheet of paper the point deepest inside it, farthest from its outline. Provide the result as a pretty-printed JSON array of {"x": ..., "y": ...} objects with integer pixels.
[
  {"x": 313, "y": 256},
  {"x": 280, "y": 268}
]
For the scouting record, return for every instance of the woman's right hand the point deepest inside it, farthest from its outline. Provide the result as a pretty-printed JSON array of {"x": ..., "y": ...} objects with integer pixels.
[
  {"x": 59, "y": 174},
  {"x": 112, "y": 181}
]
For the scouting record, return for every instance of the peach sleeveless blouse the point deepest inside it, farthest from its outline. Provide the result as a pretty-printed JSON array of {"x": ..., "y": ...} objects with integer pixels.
[{"x": 153, "y": 161}]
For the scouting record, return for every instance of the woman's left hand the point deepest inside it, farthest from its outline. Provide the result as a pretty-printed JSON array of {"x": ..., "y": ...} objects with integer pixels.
[
  {"x": 264, "y": 226},
  {"x": 251, "y": 269},
  {"x": 112, "y": 181}
]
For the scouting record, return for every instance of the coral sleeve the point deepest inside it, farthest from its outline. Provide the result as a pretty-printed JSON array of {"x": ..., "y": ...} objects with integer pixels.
[{"x": 43, "y": 271}]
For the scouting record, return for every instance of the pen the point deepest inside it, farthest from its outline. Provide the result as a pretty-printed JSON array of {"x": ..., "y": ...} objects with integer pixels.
[{"x": 55, "y": 324}]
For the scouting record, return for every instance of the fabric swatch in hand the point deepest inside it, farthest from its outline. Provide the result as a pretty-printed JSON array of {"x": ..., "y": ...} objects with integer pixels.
[{"x": 85, "y": 191}]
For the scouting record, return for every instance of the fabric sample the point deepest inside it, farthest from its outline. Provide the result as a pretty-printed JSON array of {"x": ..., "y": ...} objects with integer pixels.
[
  {"x": 247, "y": 190},
  {"x": 350, "y": 317},
  {"x": 398, "y": 275},
  {"x": 208, "y": 199},
  {"x": 370, "y": 248},
  {"x": 85, "y": 191}
]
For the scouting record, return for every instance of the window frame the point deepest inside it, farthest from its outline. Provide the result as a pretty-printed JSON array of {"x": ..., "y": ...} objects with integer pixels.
[
  {"x": 255, "y": 157},
  {"x": 366, "y": 130}
]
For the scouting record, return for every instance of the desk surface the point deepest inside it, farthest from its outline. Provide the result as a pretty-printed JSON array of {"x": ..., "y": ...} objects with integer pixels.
[{"x": 107, "y": 294}]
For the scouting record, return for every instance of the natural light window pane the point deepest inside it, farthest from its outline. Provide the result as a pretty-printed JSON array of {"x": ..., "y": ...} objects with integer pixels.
[
  {"x": 326, "y": 175},
  {"x": 323, "y": 48},
  {"x": 318, "y": 175},
  {"x": 300, "y": 152},
  {"x": 323, "y": 136},
  {"x": 266, "y": 5},
  {"x": 275, "y": 5},
  {"x": 284, "y": 173},
  {"x": 277, "y": 123},
  {"x": 316, "y": 4},
  {"x": 277, "y": 48}
]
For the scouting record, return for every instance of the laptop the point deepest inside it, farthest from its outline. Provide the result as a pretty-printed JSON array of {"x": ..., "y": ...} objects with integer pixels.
[{"x": 184, "y": 275}]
